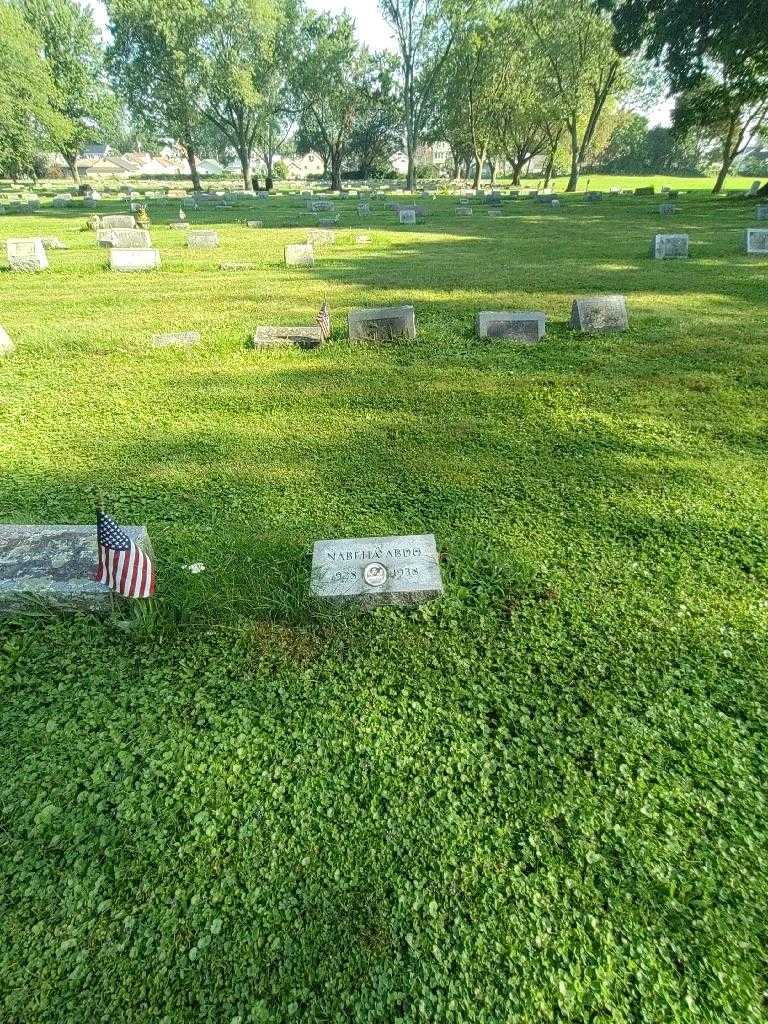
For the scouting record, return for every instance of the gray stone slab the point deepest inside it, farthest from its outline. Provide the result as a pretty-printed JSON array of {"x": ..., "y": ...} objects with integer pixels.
[
  {"x": 179, "y": 225},
  {"x": 362, "y": 239},
  {"x": 203, "y": 239},
  {"x": 668, "y": 209},
  {"x": 512, "y": 325},
  {"x": 26, "y": 254},
  {"x": 757, "y": 241},
  {"x": 129, "y": 238},
  {"x": 299, "y": 256},
  {"x": 386, "y": 323},
  {"x": 176, "y": 339},
  {"x": 464, "y": 211},
  {"x": 134, "y": 259},
  {"x": 285, "y": 337},
  {"x": 377, "y": 570},
  {"x": 407, "y": 216},
  {"x": 670, "y": 247},
  {"x": 117, "y": 220},
  {"x": 762, "y": 213},
  {"x": 599, "y": 313},
  {"x": 236, "y": 265},
  {"x": 54, "y": 566},
  {"x": 319, "y": 237},
  {"x": 255, "y": 224},
  {"x": 6, "y": 344},
  {"x": 53, "y": 243}
]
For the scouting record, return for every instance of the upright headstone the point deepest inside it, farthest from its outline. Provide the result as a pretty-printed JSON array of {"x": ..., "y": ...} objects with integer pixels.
[
  {"x": 117, "y": 220},
  {"x": 363, "y": 210},
  {"x": 668, "y": 209},
  {"x": 129, "y": 238},
  {"x": 134, "y": 259},
  {"x": 377, "y": 570},
  {"x": 282, "y": 337},
  {"x": 512, "y": 325},
  {"x": 54, "y": 566},
  {"x": 254, "y": 224},
  {"x": 464, "y": 211},
  {"x": 299, "y": 256},
  {"x": 762, "y": 213},
  {"x": 645, "y": 190},
  {"x": 6, "y": 345},
  {"x": 757, "y": 241},
  {"x": 599, "y": 313},
  {"x": 670, "y": 247},
  {"x": 26, "y": 254},
  {"x": 388, "y": 323},
  {"x": 203, "y": 239},
  {"x": 407, "y": 216}
]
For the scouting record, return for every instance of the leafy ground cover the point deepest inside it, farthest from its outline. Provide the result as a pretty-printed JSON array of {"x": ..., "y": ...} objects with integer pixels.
[{"x": 542, "y": 798}]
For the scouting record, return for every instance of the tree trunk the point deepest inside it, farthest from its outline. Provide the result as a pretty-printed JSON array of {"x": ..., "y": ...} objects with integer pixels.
[
  {"x": 411, "y": 180},
  {"x": 336, "y": 170},
  {"x": 71, "y": 160},
  {"x": 244, "y": 157},
  {"x": 728, "y": 155},
  {"x": 573, "y": 180},
  {"x": 517, "y": 168},
  {"x": 192, "y": 161},
  {"x": 479, "y": 164},
  {"x": 494, "y": 165},
  {"x": 456, "y": 168},
  {"x": 548, "y": 169}
]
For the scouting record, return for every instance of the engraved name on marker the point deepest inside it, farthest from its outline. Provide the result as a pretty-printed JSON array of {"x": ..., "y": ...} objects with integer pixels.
[{"x": 377, "y": 570}]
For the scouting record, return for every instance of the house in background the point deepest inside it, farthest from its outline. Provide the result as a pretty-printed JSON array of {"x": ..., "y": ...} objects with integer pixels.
[{"x": 107, "y": 167}]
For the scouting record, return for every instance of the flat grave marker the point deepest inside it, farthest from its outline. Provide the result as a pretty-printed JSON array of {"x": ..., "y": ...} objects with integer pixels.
[
  {"x": 757, "y": 242},
  {"x": 670, "y": 247},
  {"x": 407, "y": 216},
  {"x": 134, "y": 259},
  {"x": 512, "y": 325},
  {"x": 203, "y": 240},
  {"x": 284, "y": 337},
  {"x": 385, "y": 323},
  {"x": 319, "y": 236},
  {"x": 176, "y": 339},
  {"x": 597, "y": 313},
  {"x": 26, "y": 254},
  {"x": 377, "y": 571},
  {"x": 54, "y": 565},
  {"x": 6, "y": 344}
]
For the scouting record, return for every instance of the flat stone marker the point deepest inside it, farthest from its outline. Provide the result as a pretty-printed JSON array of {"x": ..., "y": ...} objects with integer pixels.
[
  {"x": 53, "y": 243},
  {"x": 387, "y": 323},
  {"x": 26, "y": 254},
  {"x": 762, "y": 213},
  {"x": 599, "y": 313},
  {"x": 283, "y": 337},
  {"x": 177, "y": 339},
  {"x": 235, "y": 265},
  {"x": 316, "y": 236},
  {"x": 328, "y": 222},
  {"x": 54, "y": 565},
  {"x": 363, "y": 210},
  {"x": 670, "y": 247},
  {"x": 512, "y": 325},
  {"x": 595, "y": 197},
  {"x": 757, "y": 241},
  {"x": 179, "y": 225},
  {"x": 668, "y": 209},
  {"x": 407, "y": 216},
  {"x": 495, "y": 211},
  {"x": 134, "y": 259},
  {"x": 118, "y": 220},
  {"x": 299, "y": 256},
  {"x": 129, "y": 238},
  {"x": 645, "y": 190},
  {"x": 203, "y": 240},
  {"x": 464, "y": 211},
  {"x": 255, "y": 224},
  {"x": 6, "y": 345},
  {"x": 377, "y": 570}
]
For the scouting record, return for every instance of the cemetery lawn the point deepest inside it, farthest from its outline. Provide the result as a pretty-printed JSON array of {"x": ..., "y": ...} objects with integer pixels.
[{"x": 540, "y": 799}]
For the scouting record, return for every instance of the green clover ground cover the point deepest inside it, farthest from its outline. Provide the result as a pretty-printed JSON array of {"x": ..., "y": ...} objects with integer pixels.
[{"x": 542, "y": 798}]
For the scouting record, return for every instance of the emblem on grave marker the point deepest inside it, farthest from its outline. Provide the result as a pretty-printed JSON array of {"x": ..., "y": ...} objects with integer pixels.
[{"x": 375, "y": 574}]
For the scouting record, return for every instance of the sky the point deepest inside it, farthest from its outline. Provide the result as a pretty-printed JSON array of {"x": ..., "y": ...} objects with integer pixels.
[{"x": 375, "y": 33}]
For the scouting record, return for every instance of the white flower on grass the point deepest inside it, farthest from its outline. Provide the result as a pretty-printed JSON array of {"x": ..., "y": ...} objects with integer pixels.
[{"x": 195, "y": 568}]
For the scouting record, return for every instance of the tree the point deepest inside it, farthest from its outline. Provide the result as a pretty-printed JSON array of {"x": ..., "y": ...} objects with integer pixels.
[
  {"x": 333, "y": 81},
  {"x": 156, "y": 62},
  {"x": 239, "y": 58},
  {"x": 75, "y": 58},
  {"x": 376, "y": 134},
  {"x": 426, "y": 31},
  {"x": 575, "y": 44},
  {"x": 730, "y": 111},
  {"x": 29, "y": 114}
]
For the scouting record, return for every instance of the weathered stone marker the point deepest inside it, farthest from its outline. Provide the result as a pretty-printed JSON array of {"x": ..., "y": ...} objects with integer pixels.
[
  {"x": 203, "y": 240},
  {"x": 179, "y": 225},
  {"x": 668, "y": 209},
  {"x": 51, "y": 242},
  {"x": 464, "y": 211},
  {"x": 315, "y": 236},
  {"x": 282, "y": 337},
  {"x": 134, "y": 259},
  {"x": 599, "y": 313},
  {"x": 254, "y": 224},
  {"x": 177, "y": 339},
  {"x": 27, "y": 254},
  {"x": 299, "y": 256},
  {"x": 645, "y": 190},
  {"x": 387, "y": 323},
  {"x": 757, "y": 241},
  {"x": 377, "y": 570},
  {"x": 117, "y": 220},
  {"x": 362, "y": 239},
  {"x": 762, "y": 213},
  {"x": 407, "y": 216},
  {"x": 54, "y": 565},
  {"x": 6, "y": 345},
  {"x": 127, "y": 238},
  {"x": 670, "y": 247},
  {"x": 512, "y": 325}
]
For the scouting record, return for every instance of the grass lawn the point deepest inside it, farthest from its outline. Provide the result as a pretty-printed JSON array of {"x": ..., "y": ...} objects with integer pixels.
[{"x": 540, "y": 799}]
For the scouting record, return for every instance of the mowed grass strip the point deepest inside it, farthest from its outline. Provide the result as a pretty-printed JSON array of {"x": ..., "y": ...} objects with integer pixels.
[{"x": 542, "y": 798}]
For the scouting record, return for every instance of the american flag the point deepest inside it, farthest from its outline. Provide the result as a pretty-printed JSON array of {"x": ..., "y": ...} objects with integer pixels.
[
  {"x": 123, "y": 566},
  {"x": 324, "y": 321}
]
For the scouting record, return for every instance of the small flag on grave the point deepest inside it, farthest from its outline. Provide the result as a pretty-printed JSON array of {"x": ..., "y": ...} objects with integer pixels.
[
  {"x": 324, "y": 321},
  {"x": 123, "y": 566}
]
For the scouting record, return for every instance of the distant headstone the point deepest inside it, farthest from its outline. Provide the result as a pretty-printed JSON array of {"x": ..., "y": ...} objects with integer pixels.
[
  {"x": 6, "y": 345},
  {"x": 129, "y": 238},
  {"x": 134, "y": 259},
  {"x": 670, "y": 247},
  {"x": 599, "y": 313},
  {"x": 362, "y": 239},
  {"x": 495, "y": 211},
  {"x": 26, "y": 254},
  {"x": 513, "y": 325},
  {"x": 117, "y": 220},
  {"x": 757, "y": 241},
  {"x": 64, "y": 199},
  {"x": 377, "y": 570},
  {"x": 177, "y": 339},
  {"x": 319, "y": 237},
  {"x": 388, "y": 323},
  {"x": 236, "y": 265},
  {"x": 595, "y": 197},
  {"x": 299, "y": 256},
  {"x": 464, "y": 211},
  {"x": 762, "y": 213},
  {"x": 645, "y": 190},
  {"x": 255, "y": 224},
  {"x": 363, "y": 210},
  {"x": 282, "y": 337},
  {"x": 407, "y": 216},
  {"x": 668, "y": 209},
  {"x": 203, "y": 239},
  {"x": 54, "y": 566},
  {"x": 53, "y": 243},
  {"x": 754, "y": 188},
  {"x": 328, "y": 222},
  {"x": 179, "y": 225}
]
